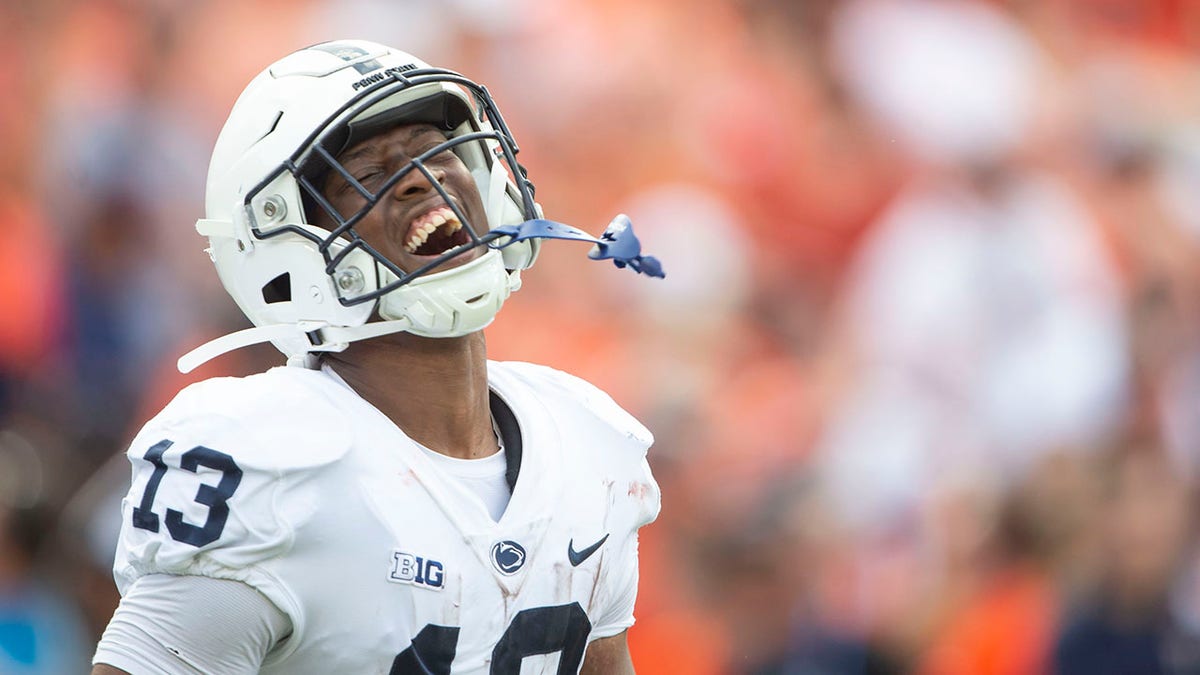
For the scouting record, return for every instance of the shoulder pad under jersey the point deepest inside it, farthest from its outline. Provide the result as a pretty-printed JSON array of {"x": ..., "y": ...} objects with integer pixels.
[
  {"x": 224, "y": 475},
  {"x": 566, "y": 389}
]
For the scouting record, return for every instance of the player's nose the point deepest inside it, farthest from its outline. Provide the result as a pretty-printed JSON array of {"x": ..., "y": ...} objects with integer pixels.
[{"x": 416, "y": 183}]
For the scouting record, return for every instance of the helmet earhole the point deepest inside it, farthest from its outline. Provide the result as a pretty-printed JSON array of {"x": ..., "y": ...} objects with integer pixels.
[{"x": 278, "y": 289}]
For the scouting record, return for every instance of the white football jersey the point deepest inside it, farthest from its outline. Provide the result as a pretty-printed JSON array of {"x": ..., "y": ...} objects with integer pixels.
[{"x": 290, "y": 482}]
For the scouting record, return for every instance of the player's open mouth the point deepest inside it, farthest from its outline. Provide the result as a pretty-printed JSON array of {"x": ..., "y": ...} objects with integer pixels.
[{"x": 435, "y": 233}]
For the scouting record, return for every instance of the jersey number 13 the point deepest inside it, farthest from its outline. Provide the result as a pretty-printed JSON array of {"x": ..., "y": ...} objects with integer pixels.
[{"x": 216, "y": 498}]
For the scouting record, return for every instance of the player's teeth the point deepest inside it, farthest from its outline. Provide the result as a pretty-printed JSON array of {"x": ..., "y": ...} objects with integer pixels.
[
  {"x": 420, "y": 233},
  {"x": 418, "y": 237}
]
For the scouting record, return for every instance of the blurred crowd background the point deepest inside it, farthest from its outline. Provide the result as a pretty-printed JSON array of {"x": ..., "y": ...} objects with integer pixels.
[{"x": 924, "y": 373}]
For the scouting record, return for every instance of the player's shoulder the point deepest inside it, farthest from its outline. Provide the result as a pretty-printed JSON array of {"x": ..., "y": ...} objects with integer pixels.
[
  {"x": 249, "y": 396},
  {"x": 569, "y": 397},
  {"x": 227, "y": 473},
  {"x": 603, "y": 439},
  {"x": 267, "y": 417}
]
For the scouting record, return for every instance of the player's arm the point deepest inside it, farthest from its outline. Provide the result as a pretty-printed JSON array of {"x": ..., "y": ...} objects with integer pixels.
[
  {"x": 165, "y": 624},
  {"x": 608, "y": 656}
]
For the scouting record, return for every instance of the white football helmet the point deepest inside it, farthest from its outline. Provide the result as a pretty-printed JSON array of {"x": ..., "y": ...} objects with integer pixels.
[{"x": 309, "y": 289}]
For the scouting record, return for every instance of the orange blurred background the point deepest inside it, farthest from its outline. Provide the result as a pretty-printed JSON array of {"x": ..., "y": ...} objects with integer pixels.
[{"x": 924, "y": 373}]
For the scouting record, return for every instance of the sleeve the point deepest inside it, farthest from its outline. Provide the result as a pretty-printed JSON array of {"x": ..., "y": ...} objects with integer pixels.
[
  {"x": 168, "y": 625},
  {"x": 621, "y": 577},
  {"x": 222, "y": 479}
]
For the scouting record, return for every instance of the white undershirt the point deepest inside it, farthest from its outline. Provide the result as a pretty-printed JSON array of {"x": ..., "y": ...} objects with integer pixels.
[{"x": 484, "y": 477}]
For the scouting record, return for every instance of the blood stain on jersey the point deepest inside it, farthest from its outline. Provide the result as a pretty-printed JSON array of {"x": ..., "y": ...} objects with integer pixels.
[
  {"x": 640, "y": 490},
  {"x": 508, "y": 556}
]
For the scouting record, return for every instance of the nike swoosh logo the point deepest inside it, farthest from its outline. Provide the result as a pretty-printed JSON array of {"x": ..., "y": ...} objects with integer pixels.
[{"x": 577, "y": 557}]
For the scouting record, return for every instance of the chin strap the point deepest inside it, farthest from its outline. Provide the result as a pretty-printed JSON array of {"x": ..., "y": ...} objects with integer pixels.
[
  {"x": 618, "y": 242},
  {"x": 322, "y": 337}
]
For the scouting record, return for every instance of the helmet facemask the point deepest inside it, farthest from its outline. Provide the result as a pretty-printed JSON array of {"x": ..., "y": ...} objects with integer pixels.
[{"x": 475, "y": 133}]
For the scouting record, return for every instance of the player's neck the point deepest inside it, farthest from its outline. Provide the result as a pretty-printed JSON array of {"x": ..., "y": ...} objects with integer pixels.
[{"x": 435, "y": 390}]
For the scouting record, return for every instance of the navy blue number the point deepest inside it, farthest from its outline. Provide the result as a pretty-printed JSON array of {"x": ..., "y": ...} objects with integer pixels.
[
  {"x": 216, "y": 498},
  {"x": 431, "y": 652},
  {"x": 543, "y": 630},
  {"x": 144, "y": 516},
  {"x": 540, "y": 630}
]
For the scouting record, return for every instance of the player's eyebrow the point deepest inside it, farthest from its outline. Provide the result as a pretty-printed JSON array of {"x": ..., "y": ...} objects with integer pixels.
[
  {"x": 416, "y": 130},
  {"x": 358, "y": 153}
]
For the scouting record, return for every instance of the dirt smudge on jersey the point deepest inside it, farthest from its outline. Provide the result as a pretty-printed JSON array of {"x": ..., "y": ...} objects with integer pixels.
[
  {"x": 564, "y": 578},
  {"x": 595, "y": 583},
  {"x": 453, "y": 609}
]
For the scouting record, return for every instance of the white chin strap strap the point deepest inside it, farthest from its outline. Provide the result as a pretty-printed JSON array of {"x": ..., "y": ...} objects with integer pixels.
[
  {"x": 324, "y": 338},
  {"x": 450, "y": 303}
]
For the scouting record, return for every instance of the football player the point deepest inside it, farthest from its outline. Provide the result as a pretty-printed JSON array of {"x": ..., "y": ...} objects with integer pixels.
[{"x": 390, "y": 501}]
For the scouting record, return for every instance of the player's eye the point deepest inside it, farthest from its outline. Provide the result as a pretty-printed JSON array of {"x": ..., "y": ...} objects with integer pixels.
[
  {"x": 442, "y": 157},
  {"x": 368, "y": 178}
]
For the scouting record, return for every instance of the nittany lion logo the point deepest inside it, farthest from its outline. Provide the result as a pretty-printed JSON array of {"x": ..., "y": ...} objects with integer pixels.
[{"x": 508, "y": 556}]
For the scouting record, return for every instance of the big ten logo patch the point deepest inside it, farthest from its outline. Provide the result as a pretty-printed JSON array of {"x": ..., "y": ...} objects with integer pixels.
[{"x": 416, "y": 571}]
